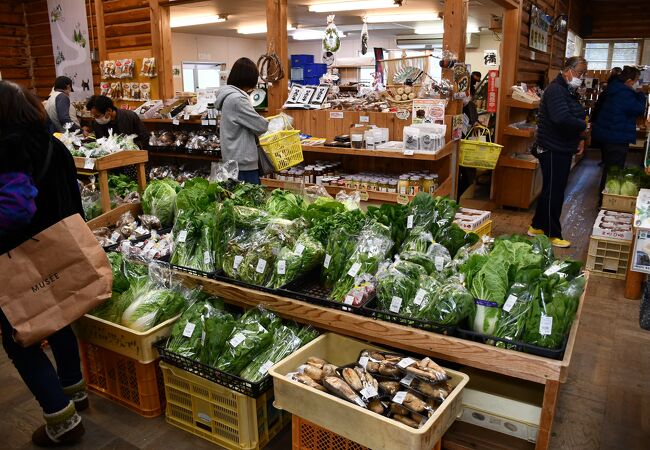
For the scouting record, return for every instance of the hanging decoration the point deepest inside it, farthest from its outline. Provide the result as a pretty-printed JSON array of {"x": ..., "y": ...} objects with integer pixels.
[
  {"x": 331, "y": 40},
  {"x": 364, "y": 37}
]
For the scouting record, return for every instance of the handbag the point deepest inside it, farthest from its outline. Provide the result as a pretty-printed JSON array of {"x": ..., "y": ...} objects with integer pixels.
[{"x": 265, "y": 165}]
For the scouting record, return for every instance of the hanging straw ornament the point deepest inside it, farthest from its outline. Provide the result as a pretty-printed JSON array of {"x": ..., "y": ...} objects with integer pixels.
[
  {"x": 364, "y": 37},
  {"x": 331, "y": 40}
]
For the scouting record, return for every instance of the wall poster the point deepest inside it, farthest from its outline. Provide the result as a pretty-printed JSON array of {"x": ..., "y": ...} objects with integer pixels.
[{"x": 540, "y": 24}]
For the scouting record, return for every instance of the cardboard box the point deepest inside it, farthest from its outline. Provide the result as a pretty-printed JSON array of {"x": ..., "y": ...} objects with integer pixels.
[
  {"x": 471, "y": 219},
  {"x": 613, "y": 225}
]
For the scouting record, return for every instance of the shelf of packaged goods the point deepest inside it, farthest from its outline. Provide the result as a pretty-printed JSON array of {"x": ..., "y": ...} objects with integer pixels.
[
  {"x": 440, "y": 154},
  {"x": 522, "y": 105},
  {"x": 520, "y": 132},
  {"x": 183, "y": 156},
  {"x": 384, "y": 197}
]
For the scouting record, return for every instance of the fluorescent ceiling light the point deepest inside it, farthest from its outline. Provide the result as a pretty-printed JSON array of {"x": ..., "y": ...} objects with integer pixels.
[
  {"x": 188, "y": 21},
  {"x": 304, "y": 34},
  {"x": 388, "y": 18},
  {"x": 352, "y": 6},
  {"x": 258, "y": 29},
  {"x": 436, "y": 29},
  {"x": 472, "y": 28}
]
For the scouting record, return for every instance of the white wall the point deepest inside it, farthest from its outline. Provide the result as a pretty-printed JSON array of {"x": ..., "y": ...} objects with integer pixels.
[
  {"x": 199, "y": 47},
  {"x": 474, "y": 56},
  {"x": 350, "y": 47}
]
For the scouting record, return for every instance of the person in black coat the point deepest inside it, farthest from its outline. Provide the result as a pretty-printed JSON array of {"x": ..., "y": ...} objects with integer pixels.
[
  {"x": 121, "y": 121},
  {"x": 560, "y": 134},
  {"x": 38, "y": 188}
]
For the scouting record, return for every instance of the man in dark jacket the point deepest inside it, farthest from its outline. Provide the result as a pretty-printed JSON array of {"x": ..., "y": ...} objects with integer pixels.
[
  {"x": 615, "y": 125},
  {"x": 121, "y": 121},
  {"x": 560, "y": 135}
]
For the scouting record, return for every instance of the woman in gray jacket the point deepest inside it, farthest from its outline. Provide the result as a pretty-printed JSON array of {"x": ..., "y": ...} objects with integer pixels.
[{"x": 240, "y": 125}]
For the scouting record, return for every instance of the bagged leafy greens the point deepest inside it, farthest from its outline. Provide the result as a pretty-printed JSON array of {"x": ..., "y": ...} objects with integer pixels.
[
  {"x": 285, "y": 204},
  {"x": 159, "y": 199},
  {"x": 284, "y": 342},
  {"x": 295, "y": 261},
  {"x": 447, "y": 303},
  {"x": 188, "y": 334},
  {"x": 397, "y": 286}
]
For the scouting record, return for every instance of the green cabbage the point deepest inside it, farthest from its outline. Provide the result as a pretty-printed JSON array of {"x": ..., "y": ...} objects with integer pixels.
[
  {"x": 159, "y": 199},
  {"x": 630, "y": 187},
  {"x": 613, "y": 186}
]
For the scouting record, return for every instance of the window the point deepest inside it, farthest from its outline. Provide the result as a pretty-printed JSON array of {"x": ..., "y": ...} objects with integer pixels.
[
  {"x": 201, "y": 75},
  {"x": 603, "y": 55}
]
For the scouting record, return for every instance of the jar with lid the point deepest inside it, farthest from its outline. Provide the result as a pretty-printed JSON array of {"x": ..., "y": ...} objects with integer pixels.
[
  {"x": 308, "y": 175},
  {"x": 299, "y": 176},
  {"x": 403, "y": 185},
  {"x": 372, "y": 184},
  {"x": 414, "y": 185},
  {"x": 318, "y": 174},
  {"x": 436, "y": 182},
  {"x": 364, "y": 184},
  {"x": 392, "y": 186},
  {"x": 427, "y": 184}
]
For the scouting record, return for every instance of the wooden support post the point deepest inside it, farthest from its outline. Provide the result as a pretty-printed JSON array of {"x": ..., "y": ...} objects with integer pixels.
[
  {"x": 633, "y": 280},
  {"x": 161, "y": 47},
  {"x": 551, "y": 391},
  {"x": 103, "y": 191},
  {"x": 101, "y": 33},
  {"x": 276, "y": 42}
]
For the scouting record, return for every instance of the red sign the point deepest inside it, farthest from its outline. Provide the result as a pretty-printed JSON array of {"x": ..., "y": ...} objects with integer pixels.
[{"x": 493, "y": 91}]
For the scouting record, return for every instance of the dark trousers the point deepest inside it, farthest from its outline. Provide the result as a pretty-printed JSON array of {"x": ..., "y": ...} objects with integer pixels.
[
  {"x": 613, "y": 155},
  {"x": 556, "y": 167},
  {"x": 249, "y": 176},
  {"x": 37, "y": 371}
]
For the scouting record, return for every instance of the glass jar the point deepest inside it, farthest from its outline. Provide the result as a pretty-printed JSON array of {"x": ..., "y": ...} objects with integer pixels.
[
  {"x": 392, "y": 186},
  {"x": 403, "y": 184},
  {"x": 436, "y": 182},
  {"x": 373, "y": 185},
  {"x": 427, "y": 184},
  {"x": 363, "y": 185},
  {"x": 414, "y": 185},
  {"x": 318, "y": 175}
]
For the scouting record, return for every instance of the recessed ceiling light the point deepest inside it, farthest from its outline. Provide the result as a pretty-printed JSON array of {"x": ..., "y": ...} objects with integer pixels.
[
  {"x": 387, "y": 18},
  {"x": 352, "y": 6},
  {"x": 188, "y": 21}
]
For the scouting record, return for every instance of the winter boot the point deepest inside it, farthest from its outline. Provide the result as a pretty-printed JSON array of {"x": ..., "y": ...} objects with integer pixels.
[
  {"x": 61, "y": 428},
  {"x": 78, "y": 394}
]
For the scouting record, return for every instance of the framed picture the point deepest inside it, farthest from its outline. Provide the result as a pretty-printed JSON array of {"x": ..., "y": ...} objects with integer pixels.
[
  {"x": 294, "y": 94},
  {"x": 320, "y": 95},
  {"x": 306, "y": 94}
]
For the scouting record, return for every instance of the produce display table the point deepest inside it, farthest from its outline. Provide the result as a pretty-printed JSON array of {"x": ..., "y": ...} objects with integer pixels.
[
  {"x": 114, "y": 161},
  {"x": 548, "y": 372}
]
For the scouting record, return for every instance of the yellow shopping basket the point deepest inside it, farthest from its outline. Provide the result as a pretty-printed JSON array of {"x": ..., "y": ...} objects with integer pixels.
[
  {"x": 478, "y": 154},
  {"x": 283, "y": 147}
]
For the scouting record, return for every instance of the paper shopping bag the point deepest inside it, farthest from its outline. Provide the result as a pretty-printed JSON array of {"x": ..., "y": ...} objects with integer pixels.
[{"x": 52, "y": 279}]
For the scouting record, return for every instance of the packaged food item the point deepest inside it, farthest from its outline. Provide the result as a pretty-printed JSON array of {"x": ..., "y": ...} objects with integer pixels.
[
  {"x": 148, "y": 68},
  {"x": 145, "y": 91}
]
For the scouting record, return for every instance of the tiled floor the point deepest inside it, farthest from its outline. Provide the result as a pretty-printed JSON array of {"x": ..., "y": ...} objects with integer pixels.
[{"x": 605, "y": 404}]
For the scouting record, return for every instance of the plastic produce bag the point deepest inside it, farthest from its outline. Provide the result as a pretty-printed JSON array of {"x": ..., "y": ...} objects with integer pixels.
[
  {"x": 295, "y": 261},
  {"x": 447, "y": 304},
  {"x": 397, "y": 286},
  {"x": 340, "y": 246},
  {"x": 515, "y": 312},
  {"x": 188, "y": 333},
  {"x": 285, "y": 342}
]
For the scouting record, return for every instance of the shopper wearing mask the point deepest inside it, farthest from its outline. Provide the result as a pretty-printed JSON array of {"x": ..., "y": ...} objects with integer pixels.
[
  {"x": 560, "y": 134},
  {"x": 121, "y": 121},
  {"x": 240, "y": 125},
  {"x": 615, "y": 126},
  {"x": 58, "y": 106},
  {"x": 38, "y": 188}
]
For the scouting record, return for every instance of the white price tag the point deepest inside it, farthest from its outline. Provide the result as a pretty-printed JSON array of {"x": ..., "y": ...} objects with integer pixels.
[
  {"x": 354, "y": 270},
  {"x": 207, "y": 258},
  {"x": 282, "y": 267},
  {"x": 395, "y": 304},
  {"x": 148, "y": 247},
  {"x": 186, "y": 117},
  {"x": 89, "y": 163},
  {"x": 328, "y": 259},
  {"x": 510, "y": 302},
  {"x": 300, "y": 248},
  {"x": 202, "y": 337},
  {"x": 141, "y": 230},
  {"x": 399, "y": 397},
  {"x": 261, "y": 265},
  {"x": 363, "y": 361},
  {"x": 125, "y": 246},
  {"x": 212, "y": 121},
  {"x": 176, "y": 122},
  {"x": 265, "y": 367},
  {"x": 409, "y": 222},
  {"x": 369, "y": 392},
  {"x": 237, "y": 339},
  {"x": 408, "y": 379},
  {"x": 360, "y": 402},
  {"x": 364, "y": 119},
  {"x": 349, "y": 300},
  {"x": 237, "y": 262},
  {"x": 439, "y": 262},
  {"x": 545, "y": 325},
  {"x": 189, "y": 329},
  {"x": 115, "y": 236},
  {"x": 409, "y": 152},
  {"x": 405, "y": 362},
  {"x": 419, "y": 296},
  {"x": 182, "y": 236},
  {"x": 553, "y": 269},
  {"x": 336, "y": 115},
  {"x": 205, "y": 122}
]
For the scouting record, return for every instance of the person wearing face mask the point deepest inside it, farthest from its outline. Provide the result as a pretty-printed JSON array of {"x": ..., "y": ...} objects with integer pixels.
[
  {"x": 615, "y": 125},
  {"x": 121, "y": 121},
  {"x": 561, "y": 129},
  {"x": 58, "y": 106},
  {"x": 240, "y": 125}
]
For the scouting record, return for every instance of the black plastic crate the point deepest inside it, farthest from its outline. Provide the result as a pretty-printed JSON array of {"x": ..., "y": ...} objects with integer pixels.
[
  {"x": 233, "y": 382},
  {"x": 221, "y": 276},
  {"x": 309, "y": 288},
  {"x": 198, "y": 273},
  {"x": 371, "y": 310},
  {"x": 514, "y": 345}
]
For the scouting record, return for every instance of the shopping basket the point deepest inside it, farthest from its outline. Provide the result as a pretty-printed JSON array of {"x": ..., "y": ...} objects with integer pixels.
[
  {"x": 283, "y": 147},
  {"x": 477, "y": 153}
]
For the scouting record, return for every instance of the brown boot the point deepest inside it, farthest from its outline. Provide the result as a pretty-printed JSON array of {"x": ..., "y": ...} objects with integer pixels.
[{"x": 61, "y": 428}]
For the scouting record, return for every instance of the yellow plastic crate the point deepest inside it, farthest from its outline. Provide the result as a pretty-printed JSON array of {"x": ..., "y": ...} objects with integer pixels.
[
  {"x": 219, "y": 414},
  {"x": 608, "y": 257},
  {"x": 619, "y": 203},
  {"x": 283, "y": 147},
  {"x": 485, "y": 229},
  {"x": 479, "y": 155}
]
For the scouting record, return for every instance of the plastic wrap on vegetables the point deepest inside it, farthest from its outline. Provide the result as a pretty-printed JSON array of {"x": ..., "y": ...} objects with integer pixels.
[
  {"x": 363, "y": 289},
  {"x": 397, "y": 287},
  {"x": 447, "y": 305},
  {"x": 340, "y": 246},
  {"x": 454, "y": 238},
  {"x": 292, "y": 262},
  {"x": 218, "y": 327},
  {"x": 515, "y": 311},
  {"x": 189, "y": 332},
  {"x": 419, "y": 240},
  {"x": 235, "y": 250},
  {"x": 159, "y": 199},
  {"x": 285, "y": 342},
  {"x": 285, "y": 204}
]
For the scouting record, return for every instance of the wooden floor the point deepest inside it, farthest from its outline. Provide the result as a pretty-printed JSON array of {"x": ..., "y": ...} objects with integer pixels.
[{"x": 604, "y": 405}]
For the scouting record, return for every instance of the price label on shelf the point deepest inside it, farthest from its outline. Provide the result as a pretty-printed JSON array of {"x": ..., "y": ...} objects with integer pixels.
[
  {"x": 261, "y": 265},
  {"x": 364, "y": 119},
  {"x": 237, "y": 339},
  {"x": 409, "y": 152},
  {"x": 189, "y": 329},
  {"x": 205, "y": 122},
  {"x": 405, "y": 362},
  {"x": 176, "y": 122},
  {"x": 439, "y": 262},
  {"x": 89, "y": 163},
  {"x": 328, "y": 259},
  {"x": 182, "y": 236},
  {"x": 141, "y": 231},
  {"x": 419, "y": 296},
  {"x": 265, "y": 367},
  {"x": 186, "y": 117},
  {"x": 212, "y": 122},
  {"x": 364, "y": 196},
  {"x": 409, "y": 222},
  {"x": 354, "y": 270},
  {"x": 282, "y": 267},
  {"x": 399, "y": 397},
  {"x": 299, "y": 248},
  {"x": 545, "y": 325},
  {"x": 510, "y": 302},
  {"x": 349, "y": 300},
  {"x": 336, "y": 115},
  {"x": 237, "y": 261},
  {"x": 395, "y": 304},
  {"x": 402, "y": 199}
]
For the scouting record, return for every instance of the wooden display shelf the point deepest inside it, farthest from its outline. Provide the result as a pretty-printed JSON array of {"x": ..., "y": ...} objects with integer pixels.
[
  {"x": 515, "y": 163},
  {"x": 519, "y": 132},
  {"x": 385, "y": 197},
  {"x": 521, "y": 105},
  {"x": 114, "y": 161},
  {"x": 184, "y": 156},
  {"x": 440, "y": 154}
]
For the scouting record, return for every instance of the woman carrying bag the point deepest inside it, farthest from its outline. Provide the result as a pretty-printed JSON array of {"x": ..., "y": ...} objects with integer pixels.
[{"x": 38, "y": 188}]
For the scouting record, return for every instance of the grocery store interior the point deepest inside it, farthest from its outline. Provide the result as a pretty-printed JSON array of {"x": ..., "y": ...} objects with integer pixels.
[{"x": 441, "y": 242}]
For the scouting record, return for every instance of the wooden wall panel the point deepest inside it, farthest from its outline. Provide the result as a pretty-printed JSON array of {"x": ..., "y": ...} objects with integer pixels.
[
  {"x": 617, "y": 20},
  {"x": 15, "y": 63},
  {"x": 40, "y": 46}
]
